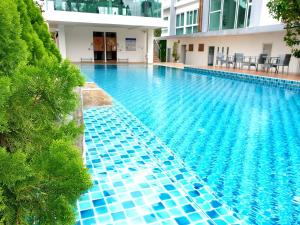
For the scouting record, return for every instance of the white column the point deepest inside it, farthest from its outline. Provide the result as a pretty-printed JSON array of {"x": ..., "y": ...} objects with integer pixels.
[
  {"x": 172, "y": 19},
  {"x": 256, "y": 12},
  {"x": 150, "y": 38},
  {"x": 62, "y": 41},
  {"x": 205, "y": 16}
]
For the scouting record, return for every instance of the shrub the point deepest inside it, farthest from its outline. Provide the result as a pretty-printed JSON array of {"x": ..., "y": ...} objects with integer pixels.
[{"x": 41, "y": 170}]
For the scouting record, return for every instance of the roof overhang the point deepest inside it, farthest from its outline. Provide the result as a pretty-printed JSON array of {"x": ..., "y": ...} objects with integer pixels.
[
  {"x": 232, "y": 32},
  {"x": 94, "y": 19}
]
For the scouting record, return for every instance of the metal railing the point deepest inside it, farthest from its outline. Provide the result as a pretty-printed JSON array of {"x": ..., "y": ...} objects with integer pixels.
[{"x": 144, "y": 8}]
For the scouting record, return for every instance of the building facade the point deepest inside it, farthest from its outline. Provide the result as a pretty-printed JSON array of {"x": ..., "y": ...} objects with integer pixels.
[
  {"x": 205, "y": 28},
  {"x": 104, "y": 30}
]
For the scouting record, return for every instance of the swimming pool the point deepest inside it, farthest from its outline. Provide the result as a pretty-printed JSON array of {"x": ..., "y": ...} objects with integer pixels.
[{"x": 241, "y": 138}]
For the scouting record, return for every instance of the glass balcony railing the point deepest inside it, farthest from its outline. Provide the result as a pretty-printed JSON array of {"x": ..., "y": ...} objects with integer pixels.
[{"x": 145, "y": 8}]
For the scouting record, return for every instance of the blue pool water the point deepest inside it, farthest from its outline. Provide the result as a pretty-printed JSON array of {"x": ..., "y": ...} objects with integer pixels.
[{"x": 242, "y": 138}]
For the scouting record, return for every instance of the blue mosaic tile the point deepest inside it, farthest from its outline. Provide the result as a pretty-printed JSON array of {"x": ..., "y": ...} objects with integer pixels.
[
  {"x": 133, "y": 185},
  {"x": 268, "y": 81}
]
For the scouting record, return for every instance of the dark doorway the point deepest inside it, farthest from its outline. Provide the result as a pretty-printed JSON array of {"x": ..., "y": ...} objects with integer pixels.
[
  {"x": 163, "y": 50},
  {"x": 99, "y": 47},
  {"x": 183, "y": 54},
  {"x": 111, "y": 46},
  {"x": 211, "y": 55}
]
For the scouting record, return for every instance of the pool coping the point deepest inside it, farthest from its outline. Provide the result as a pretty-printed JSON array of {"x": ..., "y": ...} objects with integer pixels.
[
  {"x": 246, "y": 77},
  {"x": 260, "y": 79}
]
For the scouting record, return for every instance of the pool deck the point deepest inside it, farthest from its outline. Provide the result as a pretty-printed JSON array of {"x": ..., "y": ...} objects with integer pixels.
[
  {"x": 290, "y": 76},
  {"x": 138, "y": 180}
]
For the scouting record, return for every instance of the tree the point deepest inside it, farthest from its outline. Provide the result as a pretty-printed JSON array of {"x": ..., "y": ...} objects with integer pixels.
[
  {"x": 288, "y": 11},
  {"x": 41, "y": 170}
]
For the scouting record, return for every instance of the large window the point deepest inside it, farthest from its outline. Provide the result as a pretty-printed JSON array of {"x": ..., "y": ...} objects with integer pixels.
[
  {"x": 179, "y": 24},
  {"x": 241, "y": 13},
  {"x": 229, "y": 7},
  {"x": 214, "y": 15},
  {"x": 229, "y": 14},
  {"x": 249, "y": 12},
  {"x": 192, "y": 22}
]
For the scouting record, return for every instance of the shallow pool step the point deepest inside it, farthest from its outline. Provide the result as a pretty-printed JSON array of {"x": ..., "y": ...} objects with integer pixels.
[{"x": 138, "y": 180}]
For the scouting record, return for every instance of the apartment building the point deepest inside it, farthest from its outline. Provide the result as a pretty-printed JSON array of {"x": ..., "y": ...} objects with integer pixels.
[
  {"x": 204, "y": 28},
  {"x": 104, "y": 30}
]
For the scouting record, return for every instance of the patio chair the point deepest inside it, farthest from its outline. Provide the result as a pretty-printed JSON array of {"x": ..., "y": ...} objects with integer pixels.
[
  {"x": 220, "y": 59},
  {"x": 254, "y": 61},
  {"x": 282, "y": 60},
  {"x": 238, "y": 59},
  {"x": 230, "y": 60}
]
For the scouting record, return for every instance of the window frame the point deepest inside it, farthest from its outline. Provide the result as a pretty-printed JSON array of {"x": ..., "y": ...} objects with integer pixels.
[
  {"x": 182, "y": 24},
  {"x": 192, "y": 15},
  {"x": 247, "y": 16}
]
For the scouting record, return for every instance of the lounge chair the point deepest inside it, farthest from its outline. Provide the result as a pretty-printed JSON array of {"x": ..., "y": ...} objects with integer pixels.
[
  {"x": 254, "y": 61},
  {"x": 282, "y": 60}
]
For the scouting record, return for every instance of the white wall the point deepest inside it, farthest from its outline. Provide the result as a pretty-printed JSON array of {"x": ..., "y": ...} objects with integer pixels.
[
  {"x": 79, "y": 42},
  {"x": 265, "y": 16},
  {"x": 250, "y": 45}
]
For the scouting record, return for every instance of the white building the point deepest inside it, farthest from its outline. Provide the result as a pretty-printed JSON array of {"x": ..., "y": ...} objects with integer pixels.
[
  {"x": 104, "y": 30},
  {"x": 204, "y": 28}
]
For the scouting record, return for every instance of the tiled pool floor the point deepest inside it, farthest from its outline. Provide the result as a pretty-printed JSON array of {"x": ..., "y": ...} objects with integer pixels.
[{"x": 138, "y": 180}]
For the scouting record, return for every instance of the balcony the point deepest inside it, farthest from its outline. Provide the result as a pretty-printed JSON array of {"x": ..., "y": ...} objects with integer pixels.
[{"x": 142, "y": 8}]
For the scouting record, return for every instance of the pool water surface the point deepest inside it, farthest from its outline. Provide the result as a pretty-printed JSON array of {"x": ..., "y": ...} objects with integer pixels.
[{"x": 241, "y": 138}]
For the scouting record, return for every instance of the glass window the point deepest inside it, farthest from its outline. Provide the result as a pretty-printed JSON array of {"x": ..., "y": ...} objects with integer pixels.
[
  {"x": 214, "y": 16},
  {"x": 177, "y": 20},
  {"x": 180, "y": 20},
  {"x": 249, "y": 12},
  {"x": 215, "y": 5},
  {"x": 241, "y": 13},
  {"x": 195, "y": 29},
  {"x": 189, "y": 30},
  {"x": 195, "y": 16},
  {"x": 179, "y": 31},
  {"x": 192, "y": 22},
  {"x": 214, "y": 21},
  {"x": 228, "y": 14}
]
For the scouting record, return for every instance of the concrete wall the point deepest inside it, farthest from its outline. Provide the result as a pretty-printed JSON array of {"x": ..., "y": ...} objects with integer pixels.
[
  {"x": 79, "y": 42},
  {"x": 260, "y": 15},
  {"x": 250, "y": 45}
]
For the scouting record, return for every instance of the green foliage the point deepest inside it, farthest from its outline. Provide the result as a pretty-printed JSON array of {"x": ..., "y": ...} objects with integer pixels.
[
  {"x": 175, "y": 51},
  {"x": 12, "y": 47},
  {"x": 41, "y": 170},
  {"x": 157, "y": 32},
  {"x": 288, "y": 11}
]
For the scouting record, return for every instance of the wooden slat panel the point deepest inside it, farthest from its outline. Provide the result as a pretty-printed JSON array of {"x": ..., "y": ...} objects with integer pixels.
[
  {"x": 200, "y": 15},
  {"x": 98, "y": 43},
  {"x": 111, "y": 44}
]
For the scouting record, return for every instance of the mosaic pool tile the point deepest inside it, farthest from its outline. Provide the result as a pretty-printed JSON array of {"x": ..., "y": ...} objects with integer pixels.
[
  {"x": 264, "y": 80},
  {"x": 138, "y": 180}
]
